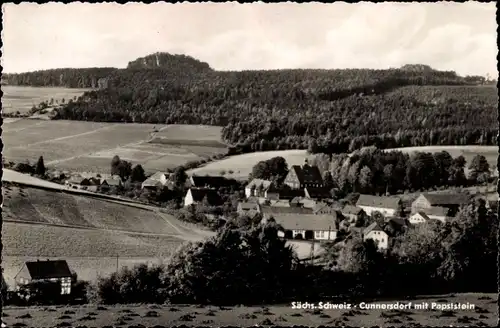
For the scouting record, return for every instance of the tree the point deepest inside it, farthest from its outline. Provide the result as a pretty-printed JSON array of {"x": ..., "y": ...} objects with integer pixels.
[
  {"x": 40, "y": 167},
  {"x": 124, "y": 169},
  {"x": 138, "y": 174},
  {"x": 365, "y": 178},
  {"x": 179, "y": 177},
  {"x": 115, "y": 161},
  {"x": 328, "y": 180},
  {"x": 479, "y": 169},
  {"x": 256, "y": 262}
]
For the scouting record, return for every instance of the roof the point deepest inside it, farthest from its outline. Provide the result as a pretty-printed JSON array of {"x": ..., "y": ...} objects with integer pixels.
[
  {"x": 372, "y": 227},
  {"x": 48, "y": 269},
  {"x": 158, "y": 175},
  {"x": 320, "y": 206},
  {"x": 306, "y": 222},
  {"x": 151, "y": 183},
  {"x": 259, "y": 182},
  {"x": 211, "y": 181},
  {"x": 289, "y": 193},
  {"x": 315, "y": 192},
  {"x": 199, "y": 194},
  {"x": 446, "y": 198},
  {"x": 422, "y": 214},
  {"x": 280, "y": 202},
  {"x": 378, "y": 201},
  {"x": 437, "y": 211},
  {"x": 307, "y": 174},
  {"x": 349, "y": 209},
  {"x": 248, "y": 206},
  {"x": 271, "y": 210},
  {"x": 78, "y": 180},
  {"x": 112, "y": 181}
]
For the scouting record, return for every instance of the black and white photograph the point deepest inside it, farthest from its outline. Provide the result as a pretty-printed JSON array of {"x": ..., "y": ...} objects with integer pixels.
[{"x": 249, "y": 164}]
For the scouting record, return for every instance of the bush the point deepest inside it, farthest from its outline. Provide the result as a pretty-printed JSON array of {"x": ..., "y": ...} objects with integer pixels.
[{"x": 138, "y": 285}]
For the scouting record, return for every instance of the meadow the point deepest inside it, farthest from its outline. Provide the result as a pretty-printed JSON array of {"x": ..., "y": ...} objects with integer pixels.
[
  {"x": 484, "y": 314},
  {"x": 48, "y": 207},
  {"x": 89, "y": 250},
  {"x": 22, "y": 99},
  {"x": 89, "y": 147},
  {"x": 240, "y": 166}
]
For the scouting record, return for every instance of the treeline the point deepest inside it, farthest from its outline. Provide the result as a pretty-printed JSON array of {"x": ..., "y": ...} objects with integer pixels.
[
  {"x": 61, "y": 77},
  {"x": 436, "y": 258},
  {"x": 374, "y": 171}
]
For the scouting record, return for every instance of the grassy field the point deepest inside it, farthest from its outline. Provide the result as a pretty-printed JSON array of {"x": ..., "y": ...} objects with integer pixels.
[
  {"x": 37, "y": 205},
  {"x": 484, "y": 314},
  {"x": 241, "y": 165},
  {"x": 17, "y": 98},
  {"x": 89, "y": 146},
  {"x": 91, "y": 249}
]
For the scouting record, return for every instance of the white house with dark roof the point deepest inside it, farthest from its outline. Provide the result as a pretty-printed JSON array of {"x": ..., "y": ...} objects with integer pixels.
[
  {"x": 255, "y": 186},
  {"x": 248, "y": 208},
  {"x": 419, "y": 217},
  {"x": 387, "y": 206},
  {"x": 56, "y": 271},
  {"x": 436, "y": 213},
  {"x": 375, "y": 232},
  {"x": 451, "y": 201},
  {"x": 307, "y": 226},
  {"x": 159, "y": 179},
  {"x": 197, "y": 195}
]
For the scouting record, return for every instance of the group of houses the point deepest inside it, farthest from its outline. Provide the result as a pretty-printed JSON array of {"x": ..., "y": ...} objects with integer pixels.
[
  {"x": 305, "y": 210},
  {"x": 81, "y": 182}
]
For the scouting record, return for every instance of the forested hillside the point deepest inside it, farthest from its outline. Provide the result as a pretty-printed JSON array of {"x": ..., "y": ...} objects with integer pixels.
[
  {"x": 60, "y": 77},
  {"x": 329, "y": 111}
]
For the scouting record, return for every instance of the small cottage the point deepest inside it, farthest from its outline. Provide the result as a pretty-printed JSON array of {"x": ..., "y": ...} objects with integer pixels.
[
  {"x": 249, "y": 209},
  {"x": 257, "y": 188},
  {"x": 387, "y": 206},
  {"x": 57, "y": 271},
  {"x": 158, "y": 179},
  {"x": 376, "y": 233},
  {"x": 352, "y": 213},
  {"x": 197, "y": 195},
  {"x": 307, "y": 226}
]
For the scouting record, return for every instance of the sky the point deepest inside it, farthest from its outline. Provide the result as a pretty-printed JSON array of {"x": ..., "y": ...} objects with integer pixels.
[{"x": 232, "y": 36}]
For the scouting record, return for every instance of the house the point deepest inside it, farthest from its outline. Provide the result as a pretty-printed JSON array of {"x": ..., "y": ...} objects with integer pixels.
[
  {"x": 395, "y": 226},
  {"x": 307, "y": 226},
  {"x": 214, "y": 182},
  {"x": 451, "y": 201},
  {"x": 57, "y": 271},
  {"x": 197, "y": 195},
  {"x": 285, "y": 193},
  {"x": 248, "y": 208},
  {"x": 77, "y": 182},
  {"x": 375, "y": 232},
  {"x": 112, "y": 181},
  {"x": 158, "y": 179},
  {"x": 318, "y": 193},
  {"x": 352, "y": 213},
  {"x": 300, "y": 177},
  {"x": 387, "y": 206},
  {"x": 437, "y": 213},
  {"x": 257, "y": 188},
  {"x": 419, "y": 217},
  {"x": 94, "y": 184}
]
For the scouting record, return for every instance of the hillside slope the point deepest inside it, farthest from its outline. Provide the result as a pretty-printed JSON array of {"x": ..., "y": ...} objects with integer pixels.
[
  {"x": 331, "y": 111},
  {"x": 42, "y": 206}
]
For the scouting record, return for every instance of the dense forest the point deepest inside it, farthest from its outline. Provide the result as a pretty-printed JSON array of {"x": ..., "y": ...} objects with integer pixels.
[{"x": 331, "y": 111}]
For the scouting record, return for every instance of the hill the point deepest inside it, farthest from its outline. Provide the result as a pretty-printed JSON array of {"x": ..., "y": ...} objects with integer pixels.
[
  {"x": 330, "y": 111},
  {"x": 50, "y": 207}
]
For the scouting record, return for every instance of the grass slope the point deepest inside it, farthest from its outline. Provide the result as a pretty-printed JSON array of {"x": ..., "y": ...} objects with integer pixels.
[
  {"x": 167, "y": 316},
  {"x": 36, "y": 205},
  {"x": 89, "y": 146},
  {"x": 17, "y": 98}
]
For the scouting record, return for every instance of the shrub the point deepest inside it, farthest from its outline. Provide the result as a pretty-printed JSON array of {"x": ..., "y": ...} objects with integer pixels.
[{"x": 138, "y": 285}]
